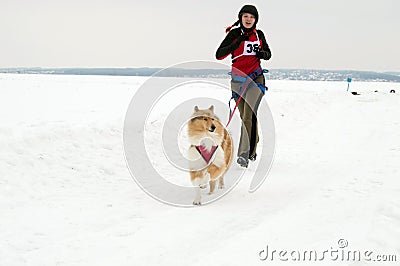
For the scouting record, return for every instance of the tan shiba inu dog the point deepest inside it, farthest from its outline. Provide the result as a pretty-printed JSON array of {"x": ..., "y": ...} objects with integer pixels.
[{"x": 211, "y": 150}]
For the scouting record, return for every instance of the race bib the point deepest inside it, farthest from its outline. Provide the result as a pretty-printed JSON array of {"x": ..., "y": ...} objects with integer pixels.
[{"x": 250, "y": 48}]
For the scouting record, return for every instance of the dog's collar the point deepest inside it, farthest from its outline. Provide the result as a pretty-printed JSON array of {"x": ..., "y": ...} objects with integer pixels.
[{"x": 206, "y": 154}]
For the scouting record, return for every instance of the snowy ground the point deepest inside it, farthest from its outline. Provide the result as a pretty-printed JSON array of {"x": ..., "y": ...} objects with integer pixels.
[{"x": 67, "y": 198}]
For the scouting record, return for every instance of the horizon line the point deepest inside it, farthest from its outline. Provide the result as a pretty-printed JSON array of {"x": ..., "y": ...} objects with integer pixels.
[{"x": 159, "y": 68}]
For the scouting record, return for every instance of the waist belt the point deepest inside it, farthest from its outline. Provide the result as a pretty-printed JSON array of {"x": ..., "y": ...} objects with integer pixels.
[
  {"x": 243, "y": 87},
  {"x": 247, "y": 80}
]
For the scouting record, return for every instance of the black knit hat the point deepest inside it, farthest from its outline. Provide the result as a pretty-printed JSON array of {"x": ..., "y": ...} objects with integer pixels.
[
  {"x": 248, "y": 9},
  {"x": 245, "y": 9}
]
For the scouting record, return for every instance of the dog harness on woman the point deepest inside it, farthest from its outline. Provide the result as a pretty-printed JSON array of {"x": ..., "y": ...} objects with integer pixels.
[{"x": 245, "y": 82}]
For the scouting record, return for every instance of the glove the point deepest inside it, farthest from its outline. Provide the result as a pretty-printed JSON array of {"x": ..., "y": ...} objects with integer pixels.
[
  {"x": 240, "y": 39},
  {"x": 266, "y": 55}
]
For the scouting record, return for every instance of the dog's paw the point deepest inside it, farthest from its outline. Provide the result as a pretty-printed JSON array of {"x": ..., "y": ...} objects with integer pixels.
[
  {"x": 221, "y": 186},
  {"x": 203, "y": 186},
  {"x": 195, "y": 202}
]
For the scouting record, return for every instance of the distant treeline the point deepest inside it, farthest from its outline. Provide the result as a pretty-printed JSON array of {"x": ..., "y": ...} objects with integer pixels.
[{"x": 274, "y": 74}]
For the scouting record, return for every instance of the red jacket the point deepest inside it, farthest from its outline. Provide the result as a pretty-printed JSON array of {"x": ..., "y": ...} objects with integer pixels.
[{"x": 243, "y": 52}]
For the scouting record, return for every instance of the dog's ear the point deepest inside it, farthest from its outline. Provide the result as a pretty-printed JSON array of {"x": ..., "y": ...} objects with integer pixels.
[
  {"x": 196, "y": 108},
  {"x": 211, "y": 108}
]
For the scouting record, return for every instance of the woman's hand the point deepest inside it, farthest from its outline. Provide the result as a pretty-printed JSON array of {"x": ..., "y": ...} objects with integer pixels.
[
  {"x": 266, "y": 55},
  {"x": 239, "y": 40}
]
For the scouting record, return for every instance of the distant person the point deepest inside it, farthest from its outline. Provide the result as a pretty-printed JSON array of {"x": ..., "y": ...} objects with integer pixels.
[{"x": 247, "y": 45}]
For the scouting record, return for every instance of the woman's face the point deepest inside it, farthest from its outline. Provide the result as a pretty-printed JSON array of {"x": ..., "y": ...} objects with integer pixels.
[{"x": 248, "y": 20}]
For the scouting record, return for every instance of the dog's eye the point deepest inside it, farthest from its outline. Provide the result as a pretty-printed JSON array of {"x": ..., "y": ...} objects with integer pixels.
[
  {"x": 205, "y": 119},
  {"x": 212, "y": 119}
]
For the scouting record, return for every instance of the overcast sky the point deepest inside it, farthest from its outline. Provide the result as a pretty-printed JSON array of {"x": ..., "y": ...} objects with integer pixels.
[{"x": 340, "y": 34}]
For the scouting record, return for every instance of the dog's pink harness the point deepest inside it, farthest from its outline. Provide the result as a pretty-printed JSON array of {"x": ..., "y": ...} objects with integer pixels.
[{"x": 206, "y": 154}]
